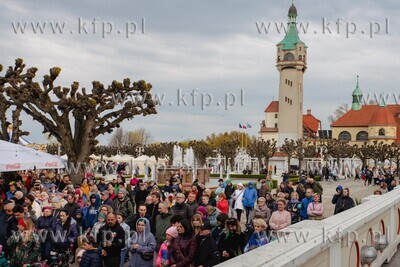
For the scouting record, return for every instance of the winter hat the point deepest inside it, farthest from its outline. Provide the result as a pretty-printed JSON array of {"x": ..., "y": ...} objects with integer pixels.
[
  {"x": 134, "y": 181},
  {"x": 78, "y": 211},
  {"x": 240, "y": 184},
  {"x": 123, "y": 191},
  {"x": 339, "y": 188},
  {"x": 102, "y": 216},
  {"x": 47, "y": 208},
  {"x": 172, "y": 232},
  {"x": 55, "y": 199},
  {"x": 229, "y": 181},
  {"x": 203, "y": 211},
  {"x": 79, "y": 192}
]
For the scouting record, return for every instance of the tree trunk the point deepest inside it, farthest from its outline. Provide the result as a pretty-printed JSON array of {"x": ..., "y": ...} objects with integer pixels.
[
  {"x": 289, "y": 168},
  {"x": 300, "y": 164}
]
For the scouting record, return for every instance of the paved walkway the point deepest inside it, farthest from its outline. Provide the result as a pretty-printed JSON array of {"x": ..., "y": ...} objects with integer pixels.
[{"x": 395, "y": 261}]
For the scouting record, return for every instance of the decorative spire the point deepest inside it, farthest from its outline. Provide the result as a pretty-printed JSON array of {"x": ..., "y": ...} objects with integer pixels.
[
  {"x": 357, "y": 97},
  {"x": 292, "y": 11},
  {"x": 291, "y": 38}
]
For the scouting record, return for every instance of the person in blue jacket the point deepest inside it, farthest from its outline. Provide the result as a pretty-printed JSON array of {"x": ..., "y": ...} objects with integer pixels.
[
  {"x": 92, "y": 211},
  {"x": 305, "y": 202},
  {"x": 92, "y": 255},
  {"x": 249, "y": 198}
]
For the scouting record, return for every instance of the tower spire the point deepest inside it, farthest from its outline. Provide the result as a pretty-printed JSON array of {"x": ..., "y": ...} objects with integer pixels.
[{"x": 357, "y": 96}]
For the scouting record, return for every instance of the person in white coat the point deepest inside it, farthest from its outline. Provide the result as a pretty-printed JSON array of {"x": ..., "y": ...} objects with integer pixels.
[{"x": 238, "y": 204}]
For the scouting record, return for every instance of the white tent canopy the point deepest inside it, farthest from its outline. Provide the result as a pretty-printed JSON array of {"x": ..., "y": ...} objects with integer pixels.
[{"x": 17, "y": 158}]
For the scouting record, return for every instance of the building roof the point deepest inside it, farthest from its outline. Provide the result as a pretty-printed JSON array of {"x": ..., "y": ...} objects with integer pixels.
[
  {"x": 310, "y": 122},
  {"x": 273, "y": 107},
  {"x": 383, "y": 116},
  {"x": 371, "y": 115},
  {"x": 363, "y": 117}
]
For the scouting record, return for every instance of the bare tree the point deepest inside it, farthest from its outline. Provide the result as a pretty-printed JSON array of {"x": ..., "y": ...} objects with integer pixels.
[
  {"x": 140, "y": 136},
  {"x": 72, "y": 115},
  {"x": 339, "y": 112}
]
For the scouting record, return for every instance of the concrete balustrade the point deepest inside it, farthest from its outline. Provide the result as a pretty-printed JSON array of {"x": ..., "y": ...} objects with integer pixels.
[{"x": 335, "y": 241}]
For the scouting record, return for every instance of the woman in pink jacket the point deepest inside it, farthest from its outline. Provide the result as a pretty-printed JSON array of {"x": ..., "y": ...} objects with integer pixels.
[
  {"x": 279, "y": 219},
  {"x": 315, "y": 209}
]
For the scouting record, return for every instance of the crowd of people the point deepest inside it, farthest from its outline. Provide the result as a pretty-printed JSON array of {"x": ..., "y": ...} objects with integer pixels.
[{"x": 138, "y": 223}]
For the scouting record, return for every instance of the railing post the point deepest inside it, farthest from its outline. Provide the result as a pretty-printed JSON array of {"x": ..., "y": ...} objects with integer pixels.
[{"x": 335, "y": 254}]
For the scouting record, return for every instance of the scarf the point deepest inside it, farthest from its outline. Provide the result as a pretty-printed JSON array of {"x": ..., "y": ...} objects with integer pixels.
[{"x": 257, "y": 239}]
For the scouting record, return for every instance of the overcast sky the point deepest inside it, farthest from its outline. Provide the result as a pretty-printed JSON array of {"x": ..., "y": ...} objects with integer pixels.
[{"x": 212, "y": 46}]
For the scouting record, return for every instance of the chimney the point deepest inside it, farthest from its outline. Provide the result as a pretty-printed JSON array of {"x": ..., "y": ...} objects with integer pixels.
[{"x": 308, "y": 111}]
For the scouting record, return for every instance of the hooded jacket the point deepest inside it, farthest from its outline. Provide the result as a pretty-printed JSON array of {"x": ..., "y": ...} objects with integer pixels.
[
  {"x": 93, "y": 211},
  {"x": 249, "y": 196},
  {"x": 147, "y": 244},
  {"x": 80, "y": 222},
  {"x": 336, "y": 196}
]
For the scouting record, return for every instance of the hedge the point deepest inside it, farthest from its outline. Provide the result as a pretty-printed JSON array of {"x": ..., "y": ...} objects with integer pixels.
[{"x": 250, "y": 176}]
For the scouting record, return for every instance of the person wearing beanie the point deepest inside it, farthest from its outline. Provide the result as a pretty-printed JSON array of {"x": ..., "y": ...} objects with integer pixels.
[
  {"x": 122, "y": 204},
  {"x": 105, "y": 198},
  {"x": 101, "y": 218},
  {"x": 79, "y": 199},
  {"x": 163, "y": 255},
  {"x": 202, "y": 211},
  {"x": 207, "y": 253},
  {"x": 80, "y": 221}
]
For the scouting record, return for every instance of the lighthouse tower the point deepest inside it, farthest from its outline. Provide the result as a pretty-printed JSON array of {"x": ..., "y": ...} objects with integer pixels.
[{"x": 291, "y": 64}]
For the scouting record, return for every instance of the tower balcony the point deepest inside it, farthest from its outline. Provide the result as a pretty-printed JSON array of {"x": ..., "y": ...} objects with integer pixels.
[{"x": 292, "y": 64}]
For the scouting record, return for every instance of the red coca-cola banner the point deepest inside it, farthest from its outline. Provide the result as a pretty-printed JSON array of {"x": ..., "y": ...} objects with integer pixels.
[
  {"x": 14, "y": 166},
  {"x": 51, "y": 164}
]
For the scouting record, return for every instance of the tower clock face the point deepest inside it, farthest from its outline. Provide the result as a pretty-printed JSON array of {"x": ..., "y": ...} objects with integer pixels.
[{"x": 288, "y": 56}]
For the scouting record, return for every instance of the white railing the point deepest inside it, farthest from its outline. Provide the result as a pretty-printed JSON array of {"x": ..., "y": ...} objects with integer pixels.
[{"x": 335, "y": 241}]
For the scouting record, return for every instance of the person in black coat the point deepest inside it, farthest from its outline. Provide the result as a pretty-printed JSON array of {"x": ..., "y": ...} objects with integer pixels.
[
  {"x": 111, "y": 238},
  {"x": 344, "y": 202},
  {"x": 71, "y": 206},
  {"x": 232, "y": 242},
  {"x": 141, "y": 194},
  {"x": 92, "y": 255},
  {"x": 207, "y": 253},
  {"x": 46, "y": 224}
]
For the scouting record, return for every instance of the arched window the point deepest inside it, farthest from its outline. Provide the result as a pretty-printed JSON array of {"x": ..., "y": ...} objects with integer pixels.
[
  {"x": 382, "y": 132},
  {"x": 288, "y": 56},
  {"x": 344, "y": 136},
  {"x": 300, "y": 58},
  {"x": 362, "y": 136}
]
